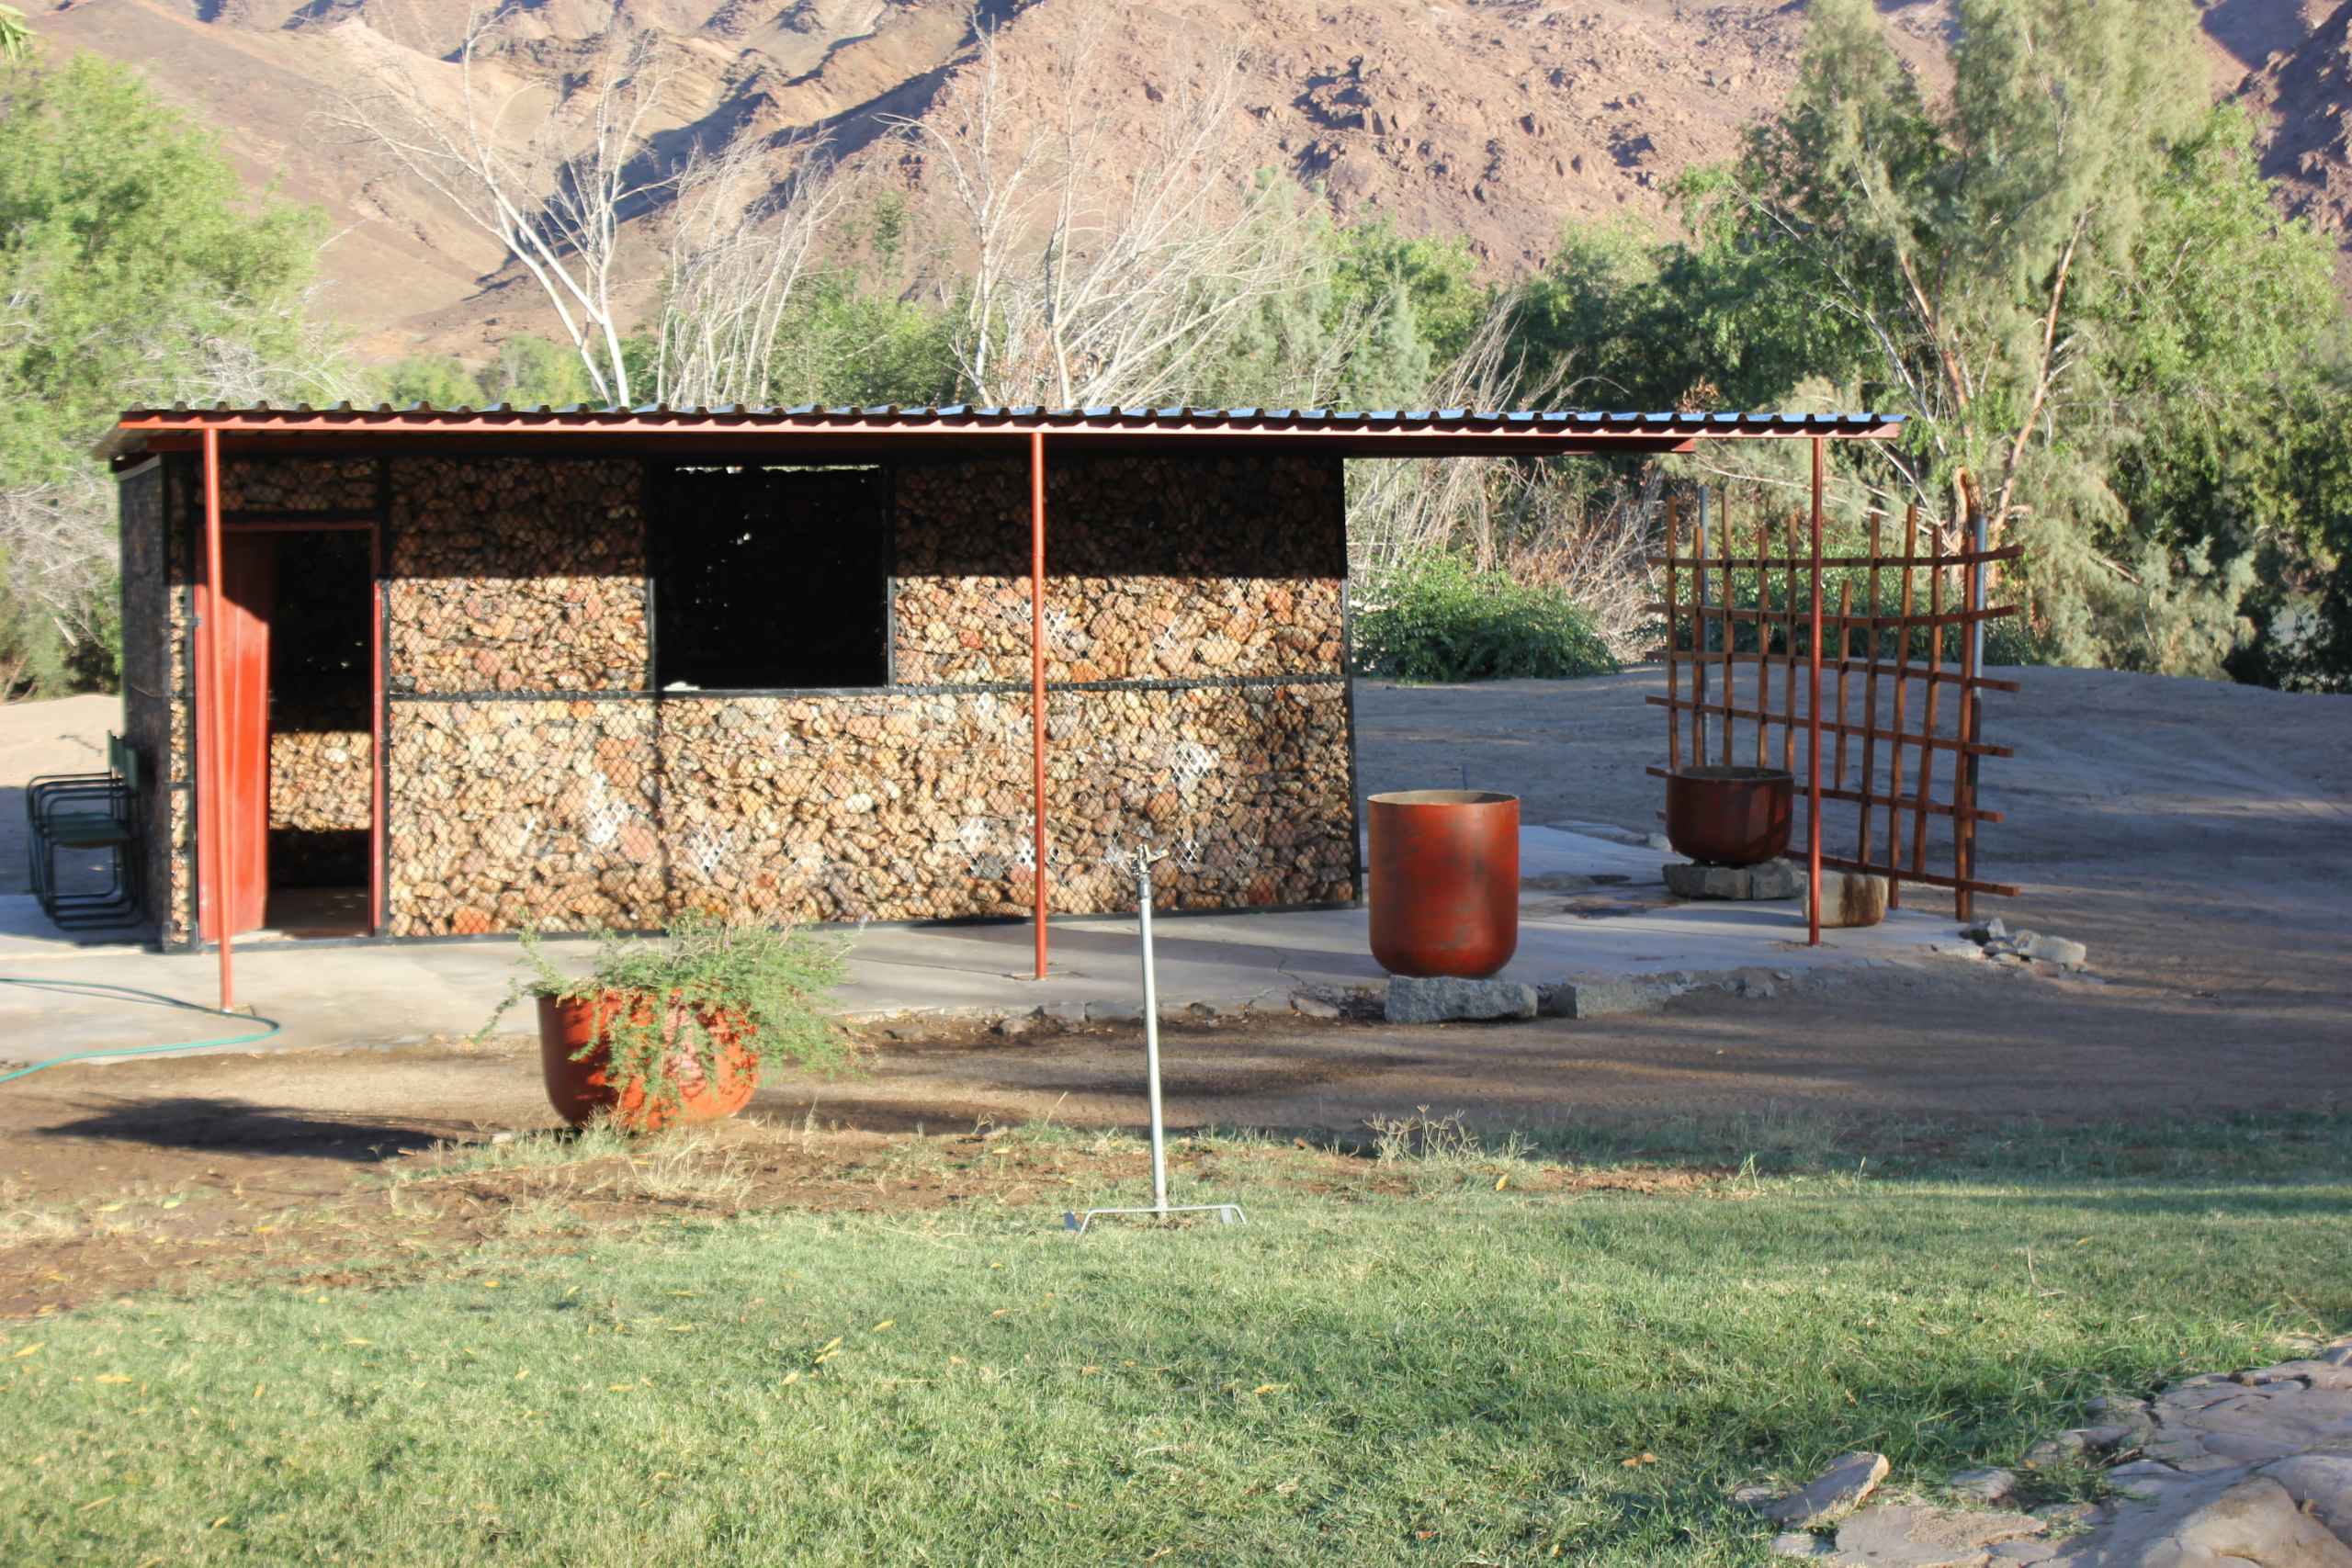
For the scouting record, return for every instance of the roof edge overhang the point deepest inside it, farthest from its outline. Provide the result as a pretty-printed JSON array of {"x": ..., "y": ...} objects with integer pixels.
[{"x": 1379, "y": 434}]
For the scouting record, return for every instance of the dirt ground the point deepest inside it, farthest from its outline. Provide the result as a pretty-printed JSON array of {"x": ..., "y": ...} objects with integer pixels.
[
  {"x": 2199, "y": 838},
  {"x": 208, "y": 1169}
]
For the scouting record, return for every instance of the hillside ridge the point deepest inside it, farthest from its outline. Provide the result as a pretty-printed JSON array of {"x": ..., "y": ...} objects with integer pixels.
[{"x": 1500, "y": 121}]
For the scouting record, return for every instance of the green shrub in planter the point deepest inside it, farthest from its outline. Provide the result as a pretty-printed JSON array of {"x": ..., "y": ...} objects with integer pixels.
[
  {"x": 776, "y": 982},
  {"x": 1434, "y": 619}
]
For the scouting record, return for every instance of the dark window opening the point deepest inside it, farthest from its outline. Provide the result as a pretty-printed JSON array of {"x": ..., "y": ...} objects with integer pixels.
[{"x": 771, "y": 578}]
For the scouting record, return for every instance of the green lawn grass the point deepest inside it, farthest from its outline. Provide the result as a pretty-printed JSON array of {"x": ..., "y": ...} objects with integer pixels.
[{"x": 1458, "y": 1375}]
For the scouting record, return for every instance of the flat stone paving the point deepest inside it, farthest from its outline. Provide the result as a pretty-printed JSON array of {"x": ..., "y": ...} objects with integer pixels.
[
  {"x": 1594, "y": 908},
  {"x": 2248, "y": 1470}
]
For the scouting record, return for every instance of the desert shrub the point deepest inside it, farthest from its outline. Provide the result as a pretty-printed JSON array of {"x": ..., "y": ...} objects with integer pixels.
[{"x": 1435, "y": 618}]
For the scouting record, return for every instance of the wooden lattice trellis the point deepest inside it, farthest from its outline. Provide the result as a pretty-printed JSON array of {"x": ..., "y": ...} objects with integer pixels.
[{"x": 1704, "y": 639}]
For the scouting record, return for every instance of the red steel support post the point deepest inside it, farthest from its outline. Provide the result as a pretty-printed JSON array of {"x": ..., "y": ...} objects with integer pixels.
[
  {"x": 1813, "y": 726},
  {"x": 377, "y": 742},
  {"x": 1037, "y": 682},
  {"x": 211, "y": 708}
]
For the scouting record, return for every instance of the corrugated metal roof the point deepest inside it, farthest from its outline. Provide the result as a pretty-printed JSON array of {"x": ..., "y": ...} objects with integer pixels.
[
  {"x": 1417, "y": 429},
  {"x": 960, "y": 415}
]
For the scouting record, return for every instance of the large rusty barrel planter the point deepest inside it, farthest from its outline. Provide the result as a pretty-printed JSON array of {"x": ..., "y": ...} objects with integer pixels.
[
  {"x": 1729, "y": 815},
  {"x": 1444, "y": 881}
]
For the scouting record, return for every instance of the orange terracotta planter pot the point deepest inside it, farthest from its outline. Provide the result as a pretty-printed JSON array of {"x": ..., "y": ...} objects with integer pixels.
[
  {"x": 1444, "y": 881},
  {"x": 581, "y": 1088}
]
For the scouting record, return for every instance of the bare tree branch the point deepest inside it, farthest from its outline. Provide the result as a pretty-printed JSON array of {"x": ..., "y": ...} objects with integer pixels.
[
  {"x": 552, "y": 184},
  {"x": 736, "y": 247},
  {"x": 1085, "y": 290}
]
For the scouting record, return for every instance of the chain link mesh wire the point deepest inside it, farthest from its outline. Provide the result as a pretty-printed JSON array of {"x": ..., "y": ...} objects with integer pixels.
[
  {"x": 1246, "y": 787},
  {"x": 890, "y": 806},
  {"x": 626, "y": 812}
]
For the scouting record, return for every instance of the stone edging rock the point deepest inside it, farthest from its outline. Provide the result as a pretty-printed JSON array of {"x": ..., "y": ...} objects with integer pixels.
[
  {"x": 2253, "y": 1469},
  {"x": 1426, "y": 1001}
]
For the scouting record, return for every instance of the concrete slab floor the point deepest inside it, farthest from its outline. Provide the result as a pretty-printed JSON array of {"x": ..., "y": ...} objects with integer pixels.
[{"x": 1594, "y": 908}]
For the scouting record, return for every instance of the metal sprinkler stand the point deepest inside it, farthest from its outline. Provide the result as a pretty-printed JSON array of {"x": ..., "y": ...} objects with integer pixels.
[{"x": 1226, "y": 1213}]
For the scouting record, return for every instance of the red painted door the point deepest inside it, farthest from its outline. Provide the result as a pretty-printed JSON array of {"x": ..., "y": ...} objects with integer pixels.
[{"x": 249, "y": 573}]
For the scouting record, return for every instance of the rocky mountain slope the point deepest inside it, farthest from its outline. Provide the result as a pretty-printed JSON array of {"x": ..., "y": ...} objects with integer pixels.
[
  {"x": 1500, "y": 120},
  {"x": 2302, "y": 95}
]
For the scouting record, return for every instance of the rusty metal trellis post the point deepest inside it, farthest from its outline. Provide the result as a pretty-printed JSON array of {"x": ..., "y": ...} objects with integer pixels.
[
  {"x": 1698, "y": 640},
  {"x": 210, "y": 735},
  {"x": 1673, "y": 635},
  {"x": 1731, "y": 598},
  {"x": 1869, "y": 708},
  {"x": 1787, "y": 642},
  {"x": 1972, "y": 717},
  {"x": 1812, "y": 725},
  {"x": 1902, "y": 692},
  {"x": 1037, "y": 687}
]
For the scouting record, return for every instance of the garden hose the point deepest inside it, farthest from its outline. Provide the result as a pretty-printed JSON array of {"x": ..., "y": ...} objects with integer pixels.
[{"x": 269, "y": 1026}]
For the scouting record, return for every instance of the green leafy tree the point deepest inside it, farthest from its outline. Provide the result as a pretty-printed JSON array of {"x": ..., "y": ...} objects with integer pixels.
[
  {"x": 2000, "y": 263},
  {"x": 1709, "y": 320},
  {"x": 2223, "y": 415},
  {"x": 1955, "y": 236},
  {"x": 530, "y": 370},
  {"x": 847, "y": 342},
  {"x": 1371, "y": 319},
  {"x": 439, "y": 379},
  {"x": 527, "y": 371},
  {"x": 133, "y": 267},
  {"x": 2068, "y": 273}
]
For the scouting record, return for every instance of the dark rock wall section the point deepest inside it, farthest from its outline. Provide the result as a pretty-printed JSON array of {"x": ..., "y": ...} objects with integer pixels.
[{"x": 295, "y": 485}]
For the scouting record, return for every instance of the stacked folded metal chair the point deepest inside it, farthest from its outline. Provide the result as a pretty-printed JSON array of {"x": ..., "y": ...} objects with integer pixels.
[{"x": 86, "y": 815}]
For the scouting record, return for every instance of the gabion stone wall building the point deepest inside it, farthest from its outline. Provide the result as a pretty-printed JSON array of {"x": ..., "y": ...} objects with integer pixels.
[{"x": 479, "y": 670}]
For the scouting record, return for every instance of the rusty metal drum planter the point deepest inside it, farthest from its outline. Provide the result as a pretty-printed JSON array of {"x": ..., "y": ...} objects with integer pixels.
[
  {"x": 1444, "y": 881},
  {"x": 1729, "y": 815}
]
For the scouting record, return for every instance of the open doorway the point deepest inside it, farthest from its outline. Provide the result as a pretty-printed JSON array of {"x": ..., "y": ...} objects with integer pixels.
[
  {"x": 321, "y": 693},
  {"x": 298, "y": 726}
]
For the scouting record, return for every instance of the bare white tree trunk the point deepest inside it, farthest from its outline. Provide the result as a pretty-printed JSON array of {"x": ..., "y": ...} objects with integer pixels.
[
  {"x": 737, "y": 245},
  {"x": 1088, "y": 288},
  {"x": 551, "y": 176}
]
